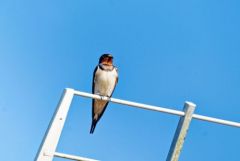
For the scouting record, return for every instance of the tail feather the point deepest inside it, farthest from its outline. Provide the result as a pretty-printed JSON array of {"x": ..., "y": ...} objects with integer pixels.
[{"x": 94, "y": 122}]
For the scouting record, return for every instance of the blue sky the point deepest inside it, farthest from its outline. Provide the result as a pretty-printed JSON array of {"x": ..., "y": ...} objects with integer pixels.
[{"x": 167, "y": 52}]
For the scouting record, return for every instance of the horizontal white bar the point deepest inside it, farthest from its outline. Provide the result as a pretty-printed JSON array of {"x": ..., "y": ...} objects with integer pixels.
[
  {"x": 133, "y": 104},
  {"x": 216, "y": 120},
  {"x": 156, "y": 108},
  {"x": 72, "y": 157}
]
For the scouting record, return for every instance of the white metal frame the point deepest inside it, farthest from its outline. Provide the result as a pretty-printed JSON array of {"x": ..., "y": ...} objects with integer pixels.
[{"x": 47, "y": 150}]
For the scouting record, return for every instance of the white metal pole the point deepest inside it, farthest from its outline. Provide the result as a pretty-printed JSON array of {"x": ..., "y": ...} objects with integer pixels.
[
  {"x": 72, "y": 157},
  {"x": 130, "y": 103},
  {"x": 181, "y": 132},
  {"x": 159, "y": 109},
  {"x": 216, "y": 120},
  {"x": 50, "y": 141},
  {"x": 47, "y": 149}
]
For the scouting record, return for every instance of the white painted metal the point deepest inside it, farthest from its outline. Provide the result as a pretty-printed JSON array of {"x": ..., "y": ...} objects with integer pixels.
[
  {"x": 159, "y": 109},
  {"x": 47, "y": 149},
  {"x": 129, "y": 103},
  {"x": 216, "y": 120},
  {"x": 181, "y": 132},
  {"x": 72, "y": 157},
  {"x": 50, "y": 141}
]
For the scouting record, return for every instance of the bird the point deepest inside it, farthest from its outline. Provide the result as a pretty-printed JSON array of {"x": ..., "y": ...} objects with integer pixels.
[{"x": 105, "y": 79}]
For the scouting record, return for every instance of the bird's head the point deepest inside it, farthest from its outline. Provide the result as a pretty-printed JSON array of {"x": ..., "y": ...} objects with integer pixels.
[{"x": 106, "y": 59}]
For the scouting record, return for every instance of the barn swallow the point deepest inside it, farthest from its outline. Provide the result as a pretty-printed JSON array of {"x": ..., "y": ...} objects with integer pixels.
[{"x": 105, "y": 78}]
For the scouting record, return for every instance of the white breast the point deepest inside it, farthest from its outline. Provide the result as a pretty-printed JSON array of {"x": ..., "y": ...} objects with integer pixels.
[{"x": 105, "y": 82}]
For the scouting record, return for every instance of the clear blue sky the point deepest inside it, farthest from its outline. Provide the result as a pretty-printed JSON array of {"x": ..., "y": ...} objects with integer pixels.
[{"x": 167, "y": 52}]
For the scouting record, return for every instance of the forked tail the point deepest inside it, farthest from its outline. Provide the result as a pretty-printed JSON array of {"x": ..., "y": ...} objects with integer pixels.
[{"x": 94, "y": 122}]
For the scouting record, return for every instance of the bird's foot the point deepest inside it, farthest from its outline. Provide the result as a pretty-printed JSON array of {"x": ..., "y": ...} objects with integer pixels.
[{"x": 103, "y": 97}]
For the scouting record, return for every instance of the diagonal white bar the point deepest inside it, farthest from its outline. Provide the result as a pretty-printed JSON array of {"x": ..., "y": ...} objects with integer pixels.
[
  {"x": 159, "y": 109},
  {"x": 181, "y": 132},
  {"x": 50, "y": 141},
  {"x": 72, "y": 157}
]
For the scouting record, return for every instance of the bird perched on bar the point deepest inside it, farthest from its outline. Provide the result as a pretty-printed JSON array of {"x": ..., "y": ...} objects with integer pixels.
[{"x": 105, "y": 78}]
